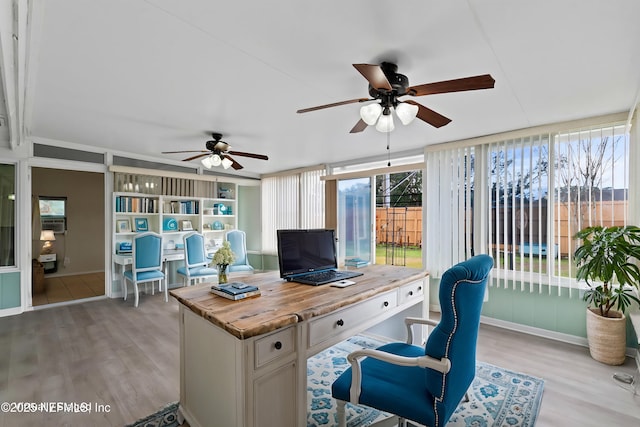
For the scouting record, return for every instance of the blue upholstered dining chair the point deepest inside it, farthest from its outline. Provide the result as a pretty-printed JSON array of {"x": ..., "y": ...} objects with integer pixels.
[
  {"x": 238, "y": 241},
  {"x": 196, "y": 263},
  {"x": 146, "y": 266},
  {"x": 423, "y": 384}
]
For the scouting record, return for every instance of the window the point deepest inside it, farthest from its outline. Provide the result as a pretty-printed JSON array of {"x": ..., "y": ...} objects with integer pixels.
[
  {"x": 522, "y": 200},
  {"x": 291, "y": 201},
  {"x": 7, "y": 215}
]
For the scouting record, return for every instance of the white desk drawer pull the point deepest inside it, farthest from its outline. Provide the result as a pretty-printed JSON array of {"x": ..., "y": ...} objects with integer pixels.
[
  {"x": 340, "y": 322},
  {"x": 278, "y": 345}
]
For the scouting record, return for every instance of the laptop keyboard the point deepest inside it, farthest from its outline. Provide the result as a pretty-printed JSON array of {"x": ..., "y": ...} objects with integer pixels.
[{"x": 322, "y": 277}]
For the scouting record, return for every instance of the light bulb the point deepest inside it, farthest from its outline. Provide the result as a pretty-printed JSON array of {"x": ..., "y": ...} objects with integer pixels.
[
  {"x": 385, "y": 123},
  {"x": 206, "y": 162},
  {"x": 226, "y": 163},
  {"x": 406, "y": 112},
  {"x": 216, "y": 160},
  {"x": 370, "y": 113}
]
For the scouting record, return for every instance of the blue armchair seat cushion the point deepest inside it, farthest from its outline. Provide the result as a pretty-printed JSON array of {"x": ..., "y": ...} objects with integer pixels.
[
  {"x": 197, "y": 271},
  {"x": 391, "y": 388},
  {"x": 144, "y": 276}
]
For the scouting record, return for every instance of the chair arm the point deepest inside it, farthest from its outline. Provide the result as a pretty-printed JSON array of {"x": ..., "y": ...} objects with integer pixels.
[
  {"x": 441, "y": 365},
  {"x": 408, "y": 321}
]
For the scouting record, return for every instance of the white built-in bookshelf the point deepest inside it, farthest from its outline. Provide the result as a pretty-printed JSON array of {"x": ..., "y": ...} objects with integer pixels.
[{"x": 174, "y": 216}]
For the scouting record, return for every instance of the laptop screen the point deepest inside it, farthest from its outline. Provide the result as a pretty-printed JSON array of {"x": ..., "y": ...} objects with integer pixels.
[{"x": 303, "y": 251}]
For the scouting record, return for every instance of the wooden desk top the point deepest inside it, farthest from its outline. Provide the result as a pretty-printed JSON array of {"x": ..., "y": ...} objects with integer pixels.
[{"x": 284, "y": 303}]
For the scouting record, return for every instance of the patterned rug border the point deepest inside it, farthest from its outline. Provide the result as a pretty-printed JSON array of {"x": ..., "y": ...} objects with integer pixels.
[{"x": 165, "y": 417}]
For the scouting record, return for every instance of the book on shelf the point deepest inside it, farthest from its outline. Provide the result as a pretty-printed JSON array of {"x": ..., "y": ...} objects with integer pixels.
[{"x": 235, "y": 290}]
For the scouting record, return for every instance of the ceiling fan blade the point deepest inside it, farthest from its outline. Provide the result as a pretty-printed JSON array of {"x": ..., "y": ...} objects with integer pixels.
[
  {"x": 375, "y": 76},
  {"x": 252, "y": 155},
  {"x": 234, "y": 164},
  {"x": 335, "y": 104},
  {"x": 196, "y": 156},
  {"x": 186, "y": 151},
  {"x": 359, "y": 127},
  {"x": 484, "y": 81},
  {"x": 430, "y": 116}
]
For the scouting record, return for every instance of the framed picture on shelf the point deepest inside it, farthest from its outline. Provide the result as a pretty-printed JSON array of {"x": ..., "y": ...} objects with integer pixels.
[
  {"x": 186, "y": 225},
  {"x": 142, "y": 224},
  {"x": 123, "y": 226}
]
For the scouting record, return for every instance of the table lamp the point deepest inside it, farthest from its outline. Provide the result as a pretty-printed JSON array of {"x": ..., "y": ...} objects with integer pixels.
[{"x": 47, "y": 236}]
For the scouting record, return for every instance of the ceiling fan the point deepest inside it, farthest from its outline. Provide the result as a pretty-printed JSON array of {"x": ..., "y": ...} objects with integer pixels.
[
  {"x": 218, "y": 153},
  {"x": 387, "y": 86}
]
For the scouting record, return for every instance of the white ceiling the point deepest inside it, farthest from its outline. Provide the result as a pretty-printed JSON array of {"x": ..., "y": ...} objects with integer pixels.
[{"x": 159, "y": 75}]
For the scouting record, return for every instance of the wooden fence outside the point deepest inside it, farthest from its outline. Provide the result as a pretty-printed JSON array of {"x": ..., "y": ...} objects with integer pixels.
[{"x": 402, "y": 226}]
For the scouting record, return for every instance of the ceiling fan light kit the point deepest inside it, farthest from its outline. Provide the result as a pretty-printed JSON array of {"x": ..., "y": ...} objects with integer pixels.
[
  {"x": 406, "y": 112},
  {"x": 385, "y": 122},
  {"x": 218, "y": 153},
  {"x": 387, "y": 86}
]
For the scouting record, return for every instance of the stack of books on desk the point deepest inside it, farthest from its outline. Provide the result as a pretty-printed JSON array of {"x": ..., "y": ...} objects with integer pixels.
[
  {"x": 235, "y": 290},
  {"x": 356, "y": 262}
]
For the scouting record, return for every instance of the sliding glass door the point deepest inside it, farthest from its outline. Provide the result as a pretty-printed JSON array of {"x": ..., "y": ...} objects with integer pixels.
[{"x": 354, "y": 220}]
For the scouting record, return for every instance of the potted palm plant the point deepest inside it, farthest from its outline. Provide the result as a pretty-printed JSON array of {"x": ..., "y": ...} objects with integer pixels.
[{"x": 605, "y": 261}]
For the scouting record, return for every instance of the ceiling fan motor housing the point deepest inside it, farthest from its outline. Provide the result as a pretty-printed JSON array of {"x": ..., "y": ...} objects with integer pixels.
[{"x": 399, "y": 82}]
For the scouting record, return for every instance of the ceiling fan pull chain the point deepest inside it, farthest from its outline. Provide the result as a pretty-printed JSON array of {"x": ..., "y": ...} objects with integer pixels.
[{"x": 388, "y": 148}]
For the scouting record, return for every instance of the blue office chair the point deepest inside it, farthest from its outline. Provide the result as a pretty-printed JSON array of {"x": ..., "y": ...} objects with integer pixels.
[
  {"x": 238, "y": 241},
  {"x": 196, "y": 263},
  {"x": 423, "y": 384},
  {"x": 147, "y": 263}
]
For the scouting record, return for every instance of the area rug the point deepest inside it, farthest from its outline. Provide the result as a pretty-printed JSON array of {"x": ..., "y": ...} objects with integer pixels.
[
  {"x": 498, "y": 397},
  {"x": 166, "y": 417}
]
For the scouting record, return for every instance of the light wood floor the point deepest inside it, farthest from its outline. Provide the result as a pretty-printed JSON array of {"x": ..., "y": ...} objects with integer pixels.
[
  {"x": 69, "y": 288},
  {"x": 107, "y": 352}
]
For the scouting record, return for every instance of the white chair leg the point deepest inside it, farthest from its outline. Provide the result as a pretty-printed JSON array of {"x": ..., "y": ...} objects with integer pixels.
[
  {"x": 166, "y": 291},
  {"x": 124, "y": 285},
  {"x": 137, "y": 297},
  {"x": 342, "y": 415}
]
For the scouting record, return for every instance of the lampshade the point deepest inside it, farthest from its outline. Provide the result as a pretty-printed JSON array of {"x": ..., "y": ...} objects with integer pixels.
[
  {"x": 47, "y": 235},
  {"x": 406, "y": 112},
  {"x": 385, "y": 123},
  {"x": 226, "y": 163},
  {"x": 370, "y": 113},
  {"x": 206, "y": 162},
  {"x": 216, "y": 160}
]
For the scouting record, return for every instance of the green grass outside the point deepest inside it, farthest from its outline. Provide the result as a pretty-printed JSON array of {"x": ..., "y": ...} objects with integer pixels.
[{"x": 412, "y": 257}]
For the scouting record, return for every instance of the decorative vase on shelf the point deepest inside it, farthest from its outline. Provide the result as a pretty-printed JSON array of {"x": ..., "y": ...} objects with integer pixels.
[{"x": 222, "y": 273}]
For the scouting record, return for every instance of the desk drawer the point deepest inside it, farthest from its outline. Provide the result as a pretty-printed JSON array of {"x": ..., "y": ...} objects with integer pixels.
[
  {"x": 274, "y": 346},
  {"x": 325, "y": 327},
  {"x": 411, "y": 291}
]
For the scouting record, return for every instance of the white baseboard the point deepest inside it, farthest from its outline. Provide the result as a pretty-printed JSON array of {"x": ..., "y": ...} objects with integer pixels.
[
  {"x": 544, "y": 333},
  {"x": 531, "y": 330}
]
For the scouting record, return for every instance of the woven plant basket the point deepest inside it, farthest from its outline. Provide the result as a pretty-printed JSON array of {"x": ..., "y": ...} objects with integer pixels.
[{"x": 607, "y": 336}]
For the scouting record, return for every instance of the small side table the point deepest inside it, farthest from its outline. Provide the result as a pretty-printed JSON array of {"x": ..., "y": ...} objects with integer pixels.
[{"x": 49, "y": 262}]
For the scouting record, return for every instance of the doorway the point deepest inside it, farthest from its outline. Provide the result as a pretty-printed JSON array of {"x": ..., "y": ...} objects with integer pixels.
[{"x": 68, "y": 220}]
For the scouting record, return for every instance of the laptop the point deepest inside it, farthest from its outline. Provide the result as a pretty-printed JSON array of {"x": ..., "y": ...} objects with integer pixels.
[{"x": 309, "y": 257}]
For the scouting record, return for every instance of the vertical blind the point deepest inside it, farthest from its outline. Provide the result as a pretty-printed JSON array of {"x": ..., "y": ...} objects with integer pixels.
[
  {"x": 523, "y": 199},
  {"x": 448, "y": 204},
  {"x": 291, "y": 201}
]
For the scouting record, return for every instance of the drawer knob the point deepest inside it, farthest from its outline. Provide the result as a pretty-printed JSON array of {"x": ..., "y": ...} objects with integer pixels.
[
  {"x": 410, "y": 293},
  {"x": 386, "y": 303},
  {"x": 278, "y": 345},
  {"x": 340, "y": 322}
]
